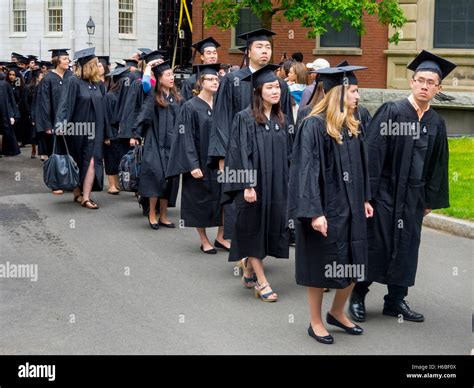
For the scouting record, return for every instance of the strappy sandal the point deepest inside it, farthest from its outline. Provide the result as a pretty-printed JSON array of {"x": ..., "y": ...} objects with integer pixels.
[
  {"x": 89, "y": 204},
  {"x": 247, "y": 282},
  {"x": 265, "y": 297}
]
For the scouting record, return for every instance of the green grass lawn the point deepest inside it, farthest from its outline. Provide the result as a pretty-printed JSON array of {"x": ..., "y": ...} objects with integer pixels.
[{"x": 461, "y": 179}]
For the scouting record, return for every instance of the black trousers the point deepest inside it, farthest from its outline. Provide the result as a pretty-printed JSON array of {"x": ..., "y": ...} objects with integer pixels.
[{"x": 395, "y": 293}]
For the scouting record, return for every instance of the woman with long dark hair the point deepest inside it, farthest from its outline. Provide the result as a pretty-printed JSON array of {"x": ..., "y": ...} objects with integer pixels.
[
  {"x": 156, "y": 124},
  {"x": 258, "y": 153},
  {"x": 329, "y": 187},
  {"x": 81, "y": 118}
]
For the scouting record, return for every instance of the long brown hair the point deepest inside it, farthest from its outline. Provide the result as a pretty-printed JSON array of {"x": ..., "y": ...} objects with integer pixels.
[
  {"x": 258, "y": 108},
  {"x": 89, "y": 71},
  {"x": 318, "y": 94},
  {"x": 159, "y": 94},
  {"x": 335, "y": 119}
]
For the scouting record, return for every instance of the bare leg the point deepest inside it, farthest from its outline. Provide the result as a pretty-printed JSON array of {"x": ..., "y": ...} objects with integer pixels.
[
  {"x": 315, "y": 301},
  {"x": 164, "y": 211},
  {"x": 89, "y": 181},
  {"x": 338, "y": 304},
  {"x": 152, "y": 214},
  {"x": 220, "y": 234},
  {"x": 261, "y": 278},
  {"x": 206, "y": 245},
  {"x": 113, "y": 187}
]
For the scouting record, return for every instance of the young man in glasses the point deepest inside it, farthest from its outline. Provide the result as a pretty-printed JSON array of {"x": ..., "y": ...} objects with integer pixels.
[{"x": 408, "y": 168}]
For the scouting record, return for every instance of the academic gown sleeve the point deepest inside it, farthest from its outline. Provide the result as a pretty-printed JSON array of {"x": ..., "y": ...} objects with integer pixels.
[
  {"x": 222, "y": 121},
  {"x": 145, "y": 116},
  {"x": 238, "y": 156},
  {"x": 378, "y": 143},
  {"x": 67, "y": 102},
  {"x": 305, "y": 199},
  {"x": 44, "y": 107},
  {"x": 133, "y": 102},
  {"x": 437, "y": 181},
  {"x": 183, "y": 155}
]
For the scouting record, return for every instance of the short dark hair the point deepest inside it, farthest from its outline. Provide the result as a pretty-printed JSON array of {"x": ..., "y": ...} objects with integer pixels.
[
  {"x": 298, "y": 56},
  {"x": 439, "y": 77}
]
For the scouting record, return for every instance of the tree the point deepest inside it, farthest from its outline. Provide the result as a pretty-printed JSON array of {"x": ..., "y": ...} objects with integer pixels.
[{"x": 316, "y": 15}]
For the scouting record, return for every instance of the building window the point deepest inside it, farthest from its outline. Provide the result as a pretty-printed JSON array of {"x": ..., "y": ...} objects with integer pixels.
[
  {"x": 248, "y": 21},
  {"x": 454, "y": 24},
  {"x": 55, "y": 15},
  {"x": 126, "y": 16},
  {"x": 347, "y": 37},
  {"x": 19, "y": 15}
]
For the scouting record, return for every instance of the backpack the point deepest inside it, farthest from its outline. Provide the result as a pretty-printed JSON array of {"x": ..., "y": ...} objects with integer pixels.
[{"x": 129, "y": 169}]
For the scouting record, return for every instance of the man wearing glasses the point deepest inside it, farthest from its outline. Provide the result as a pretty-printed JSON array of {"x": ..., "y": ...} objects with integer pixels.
[{"x": 408, "y": 168}]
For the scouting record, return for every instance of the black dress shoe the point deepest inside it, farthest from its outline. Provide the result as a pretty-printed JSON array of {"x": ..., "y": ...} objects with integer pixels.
[
  {"x": 356, "y": 330},
  {"x": 327, "y": 339},
  {"x": 357, "y": 307},
  {"x": 153, "y": 226},
  {"x": 211, "y": 251},
  {"x": 217, "y": 244},
  {"x": 401, "y": 308},
  {"x": 170, "y": 225}
]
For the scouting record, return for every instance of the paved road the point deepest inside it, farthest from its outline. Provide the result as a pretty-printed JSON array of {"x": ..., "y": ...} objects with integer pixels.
[{"x": 108, "y": 284}]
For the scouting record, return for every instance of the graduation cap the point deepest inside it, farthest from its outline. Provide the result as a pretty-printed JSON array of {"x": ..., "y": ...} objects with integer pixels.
[
  {"x": 161, "y": 68},
  {"x": 104, "y": 59},
  {"x": 263, "y": 75},
  {"x": 48, "y": 64},
  {"x": 131, "y": 62},
  {"x": 59, "y": 52},
  {"x": 152, "y": 55},
  {"x": 118, "y": 64},
  {"x": 36, "y": 72},
  {"x": 118, "y": 71},
  {"x": 19, "y": 57},
  {"x": 84, "y": 56},
  {"x": 14, "y": 67},
  {"x": 32, "y": 58},
  {"x": 426, "y": 61},
  {"x": 209, "y": 68},
  {"x": 256, "y": 35},
  {"x": 343, "y": 75},
  {"x": 145, "y": 50},
  {"x": 205, "y": 43}
]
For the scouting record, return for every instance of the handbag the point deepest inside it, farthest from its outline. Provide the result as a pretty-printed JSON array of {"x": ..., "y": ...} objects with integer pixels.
[{"x": 60, "y": 172}]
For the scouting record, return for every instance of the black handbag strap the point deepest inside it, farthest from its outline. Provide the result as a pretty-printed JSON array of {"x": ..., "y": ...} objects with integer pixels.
[{"x": 54, "y": 143}]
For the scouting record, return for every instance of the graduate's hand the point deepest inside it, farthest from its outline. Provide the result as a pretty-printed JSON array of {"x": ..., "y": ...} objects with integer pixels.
[
  {"x": 155, "y": 62},
  {"x": 12, "y": 121},
  {"x": 250, "y": 195},
  {"x": 134, "y": 142},
  {"x": 369, "y": 210},
  {"x": 427, "y": 211},
  {"x": 320, "y": 224},
  {"x": 49, "y": 131},
  {"x": 221, "y": 164},
  {"x": 107, "y": 142},
  {"x": 197, "y": 173}
]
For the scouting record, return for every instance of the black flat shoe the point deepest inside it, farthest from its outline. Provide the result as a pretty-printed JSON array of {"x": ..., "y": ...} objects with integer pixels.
[
  {"x": 217, "y": 244},
  {"x": 357, "y": 307},
  {"x": 356, "y": 330},
  {"x": 211, "y": 251},
  {"x": 327, "y": 339},
  {"x": 153, "y": 226},
  {"x": 402, "y": 308},
  {"x": 170, "y": 225}
]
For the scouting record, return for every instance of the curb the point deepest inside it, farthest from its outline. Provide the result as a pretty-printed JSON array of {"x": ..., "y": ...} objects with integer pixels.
[{"x": 454, "y": 226}]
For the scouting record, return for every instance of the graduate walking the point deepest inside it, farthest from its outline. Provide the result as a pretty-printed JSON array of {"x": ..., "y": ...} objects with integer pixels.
[
  {"x": 329, "y": 191},
  {"x": 409, "y": 178}
]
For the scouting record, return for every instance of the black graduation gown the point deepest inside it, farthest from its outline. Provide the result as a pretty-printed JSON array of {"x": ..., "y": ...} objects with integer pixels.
[
  {"x": 49, "y": 97},
  {"x": 157, "y": 125},
  {"x": 83, "y": 103},
  {"x": 407, "y": 175},
  {"x": 261, "y": 227},
  {"x": 330, "y": 179},
  {"x": 30, "y": 101},
  {"x": 8, "y": 110},
  {"x": 187, "y": 87},
  {"x": 200, "y": 198}
]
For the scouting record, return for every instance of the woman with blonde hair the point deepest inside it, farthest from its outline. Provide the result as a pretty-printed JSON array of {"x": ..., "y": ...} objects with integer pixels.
[
  {"x": 81, "y": 119},
  {"x": 329, "y": 188}
]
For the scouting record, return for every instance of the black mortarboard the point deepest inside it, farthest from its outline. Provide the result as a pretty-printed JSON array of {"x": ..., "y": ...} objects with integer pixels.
[
  {"x": 161, "y": 68},
  {"x": 58, "y": 52},
  {"x": 145, "y": 50},
  {"x": 263, "y": 75},
  {"x": 430, "y": 62},
  {"x": 48, "y": 64},
  {"x": 253, "y": 36},
  {"x": 131, "y": 62},
  {"x": 18, "y": 56},
  {"x": 118, "y": 64},
  {"x": 118, "y": 71},
  {"x": 339, "y": 75},
  {"x": 14, "y": 67},
  {"x": 210, "y": 68},
  {"x": 104, "y": 59},
  {"x": 84, "y": 56},
  {"x": 32, "y": 58},
  {"x": 36, "y": 72},
  {"x": 152, "y": 55},
  {"x": 203, "y": 44}
]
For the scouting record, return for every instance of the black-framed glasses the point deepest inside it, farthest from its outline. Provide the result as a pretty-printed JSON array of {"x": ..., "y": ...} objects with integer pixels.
[{"x": 430, "y": 83}]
